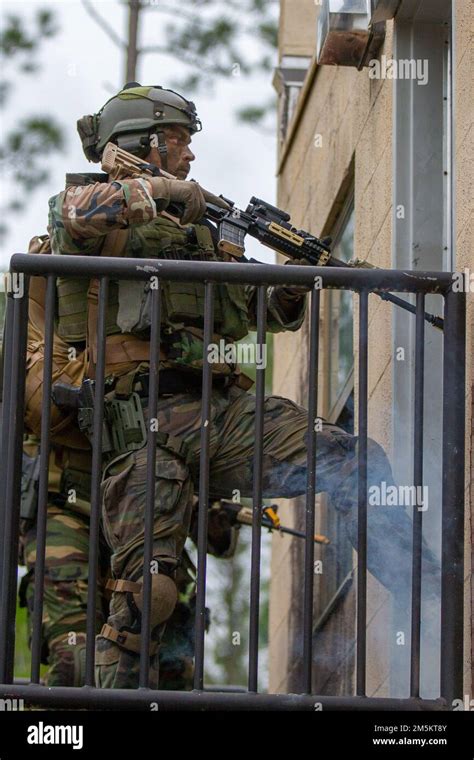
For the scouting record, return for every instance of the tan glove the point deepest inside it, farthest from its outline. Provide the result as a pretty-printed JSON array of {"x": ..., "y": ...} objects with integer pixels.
[
  {"x": 294, "y": 292},
  {"x": 190, "y": 194}
]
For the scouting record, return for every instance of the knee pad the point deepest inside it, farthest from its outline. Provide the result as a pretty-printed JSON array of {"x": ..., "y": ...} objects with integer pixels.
[{"x": 164, "y": 595}]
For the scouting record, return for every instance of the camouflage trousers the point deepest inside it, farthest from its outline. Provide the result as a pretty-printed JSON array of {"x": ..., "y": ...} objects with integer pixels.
[
  {"x": 64, "y": 594},
  {"x": 65, "y": 606},
  {"x": 232, "y": 436}
]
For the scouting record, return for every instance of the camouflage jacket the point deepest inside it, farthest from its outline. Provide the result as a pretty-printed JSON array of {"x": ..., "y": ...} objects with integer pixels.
[{"x": 80, "y": 218}]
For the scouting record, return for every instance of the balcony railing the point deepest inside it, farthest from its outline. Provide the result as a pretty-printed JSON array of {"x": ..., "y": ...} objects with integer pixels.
[{"x": 363, "y": 282}]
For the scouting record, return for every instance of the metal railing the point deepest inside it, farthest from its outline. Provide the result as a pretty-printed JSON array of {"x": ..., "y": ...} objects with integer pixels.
[{"x": 363, "y": 282}]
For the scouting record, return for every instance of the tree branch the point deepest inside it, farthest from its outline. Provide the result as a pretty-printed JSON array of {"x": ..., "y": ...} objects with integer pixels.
[
  {"x": 104, "y": 25},
  {"x": 188, "y": 15}
]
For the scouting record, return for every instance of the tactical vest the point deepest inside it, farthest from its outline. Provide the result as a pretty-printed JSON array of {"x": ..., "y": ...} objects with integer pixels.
[
  {"x": 129, "y": 303},
  {"x": 64, "y": 368}
]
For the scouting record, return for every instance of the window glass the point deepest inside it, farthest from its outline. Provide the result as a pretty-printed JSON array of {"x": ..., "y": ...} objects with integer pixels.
[{"x": 341, "y": 342}]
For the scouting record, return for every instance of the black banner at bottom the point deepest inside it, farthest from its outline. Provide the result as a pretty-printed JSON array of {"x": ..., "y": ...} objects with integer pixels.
[{"x": 82, "y": 733}]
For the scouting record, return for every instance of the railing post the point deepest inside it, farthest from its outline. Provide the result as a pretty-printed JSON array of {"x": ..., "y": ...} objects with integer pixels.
[
  {"x": 417, "y": 482},
  {"x": 96, "y": 477},
  {"x": 362, "y": 496},
  {"x": 203, "y": 489},
  {"x": 12, "y": 455},
  {"x": 5, "y": 437},
  {"x": 310, "y": 493},
  {"x": 452, "y": 530},
  {"x": 257, "y": 497},
  {"x": 42, "y": 513},
  {"x": 154, "y": 378}
]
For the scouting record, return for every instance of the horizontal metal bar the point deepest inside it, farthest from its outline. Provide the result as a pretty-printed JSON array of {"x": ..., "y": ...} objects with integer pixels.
[
  {"x": 197, "y": 271},
  {"x": 141, "y": 699}
]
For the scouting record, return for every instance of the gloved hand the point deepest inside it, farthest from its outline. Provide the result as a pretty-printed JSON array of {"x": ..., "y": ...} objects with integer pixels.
[
  {"x": 189, "y": 193},
  {"x": 294, "y": 292}
]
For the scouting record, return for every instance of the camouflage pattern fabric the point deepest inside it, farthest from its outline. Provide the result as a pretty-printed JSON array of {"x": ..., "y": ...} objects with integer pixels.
[
  {"x": 65, "y": 602},
  {"x": 232, "y": 435},
  {"x": 65, "y": 594},
  {"x": 65, "y": 606},
  {"x": 83, "y": 216}
]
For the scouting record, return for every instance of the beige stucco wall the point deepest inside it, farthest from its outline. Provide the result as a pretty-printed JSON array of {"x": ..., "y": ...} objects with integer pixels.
[
  {"x": 353, "y": 115},
  {"x": 464, "y": 200}
]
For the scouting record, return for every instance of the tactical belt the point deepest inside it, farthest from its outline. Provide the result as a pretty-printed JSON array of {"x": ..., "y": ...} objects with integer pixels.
[
  {"x": 124, "y": 424},
  {"x": 173, "y": 381}
]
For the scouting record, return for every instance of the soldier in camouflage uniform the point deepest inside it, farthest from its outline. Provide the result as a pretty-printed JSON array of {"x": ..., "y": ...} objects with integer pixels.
[
  {"x": 66, "y": 567},
  {"x": 68, "y": 508},
  {"x": 97, "y": 215},
  {"x": 66, "y": 577},
  {"x": 67, "y": 527}
]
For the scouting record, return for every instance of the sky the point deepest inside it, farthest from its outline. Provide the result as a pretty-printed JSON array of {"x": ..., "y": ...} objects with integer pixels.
[{"x": 81, "y": 68}]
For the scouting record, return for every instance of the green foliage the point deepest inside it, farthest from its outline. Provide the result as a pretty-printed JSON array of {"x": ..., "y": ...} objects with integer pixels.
[
  {"x": 227, "y": 646},
  {"x": 252, "y": 114},
  {"x": 22, "y": 652},
  {"x": 268, "y": 32},
  {"x": 230, "y": 616},
  {"x": 22, "y": 662},
  {"x": 212, "y": 37},
  {"x": 25, "y": 148}
]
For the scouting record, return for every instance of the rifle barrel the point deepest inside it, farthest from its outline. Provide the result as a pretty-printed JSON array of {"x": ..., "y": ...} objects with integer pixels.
[{"x": 318, "y": 539}]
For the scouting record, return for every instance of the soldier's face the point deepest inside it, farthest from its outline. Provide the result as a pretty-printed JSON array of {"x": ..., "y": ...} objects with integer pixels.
[{"x": 179, "y": 154}]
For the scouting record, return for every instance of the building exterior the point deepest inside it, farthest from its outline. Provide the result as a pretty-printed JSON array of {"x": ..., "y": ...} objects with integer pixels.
[{"x": 385, "y": 166}]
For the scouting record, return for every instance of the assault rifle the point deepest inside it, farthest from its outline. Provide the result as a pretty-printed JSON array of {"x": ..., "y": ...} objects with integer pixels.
[
  {"x": 268, "y": 224},
  {"x": 239, "y": 515}
]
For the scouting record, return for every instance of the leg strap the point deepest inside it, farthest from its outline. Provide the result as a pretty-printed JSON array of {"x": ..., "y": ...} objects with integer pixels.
[
  {"x": 127, "y": 640},
  {"x": 124, "y": 586},
  {"x": 164, "y": 595}
]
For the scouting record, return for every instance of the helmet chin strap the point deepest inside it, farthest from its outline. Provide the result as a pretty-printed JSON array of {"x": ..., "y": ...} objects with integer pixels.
[{"x": 162, "y": 150}]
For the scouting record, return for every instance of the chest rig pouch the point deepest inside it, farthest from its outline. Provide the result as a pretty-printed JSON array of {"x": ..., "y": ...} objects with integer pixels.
[{"x": 182, "y": 302}]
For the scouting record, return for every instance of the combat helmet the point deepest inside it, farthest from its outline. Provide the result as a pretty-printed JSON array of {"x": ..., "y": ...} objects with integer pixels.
[{"x": 132, "y": 116}]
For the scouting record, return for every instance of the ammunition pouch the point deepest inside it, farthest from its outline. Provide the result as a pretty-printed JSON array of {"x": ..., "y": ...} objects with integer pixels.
[
  {"x": 124, "y": 425},
  {"x": 78, "y": 481}
]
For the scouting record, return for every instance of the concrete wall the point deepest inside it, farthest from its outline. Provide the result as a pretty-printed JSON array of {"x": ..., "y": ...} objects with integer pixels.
[{"x": 352, "y": 117}]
